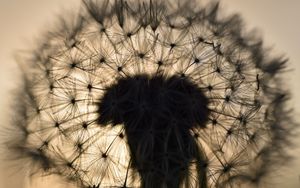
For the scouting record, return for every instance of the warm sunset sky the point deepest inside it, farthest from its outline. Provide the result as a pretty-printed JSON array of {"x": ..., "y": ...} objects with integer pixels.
[{"x": 22, "y": 20}]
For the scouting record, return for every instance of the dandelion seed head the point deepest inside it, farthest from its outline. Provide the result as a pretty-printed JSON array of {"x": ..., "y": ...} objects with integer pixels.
[{"x": 152, "y": 94}]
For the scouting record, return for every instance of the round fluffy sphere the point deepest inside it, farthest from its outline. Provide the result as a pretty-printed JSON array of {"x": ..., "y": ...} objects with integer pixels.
[{"x": 151, "y": 94}]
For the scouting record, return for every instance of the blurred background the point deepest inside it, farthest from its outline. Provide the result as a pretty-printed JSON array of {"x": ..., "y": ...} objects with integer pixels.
[{"x": 22, "y": 21}]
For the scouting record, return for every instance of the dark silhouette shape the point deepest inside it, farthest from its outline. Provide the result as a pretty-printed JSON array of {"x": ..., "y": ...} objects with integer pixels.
[{"x": 158, "y": 114}]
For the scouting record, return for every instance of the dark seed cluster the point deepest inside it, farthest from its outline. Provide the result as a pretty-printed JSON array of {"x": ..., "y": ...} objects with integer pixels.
[{"x": 152, "y": 94}]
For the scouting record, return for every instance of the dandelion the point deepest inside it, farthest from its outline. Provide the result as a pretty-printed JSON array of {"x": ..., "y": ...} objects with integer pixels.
[{"x": 152, "y": 94}]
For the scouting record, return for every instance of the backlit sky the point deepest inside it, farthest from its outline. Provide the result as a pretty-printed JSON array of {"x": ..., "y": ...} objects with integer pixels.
[{"x": 22, "y": 20}]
